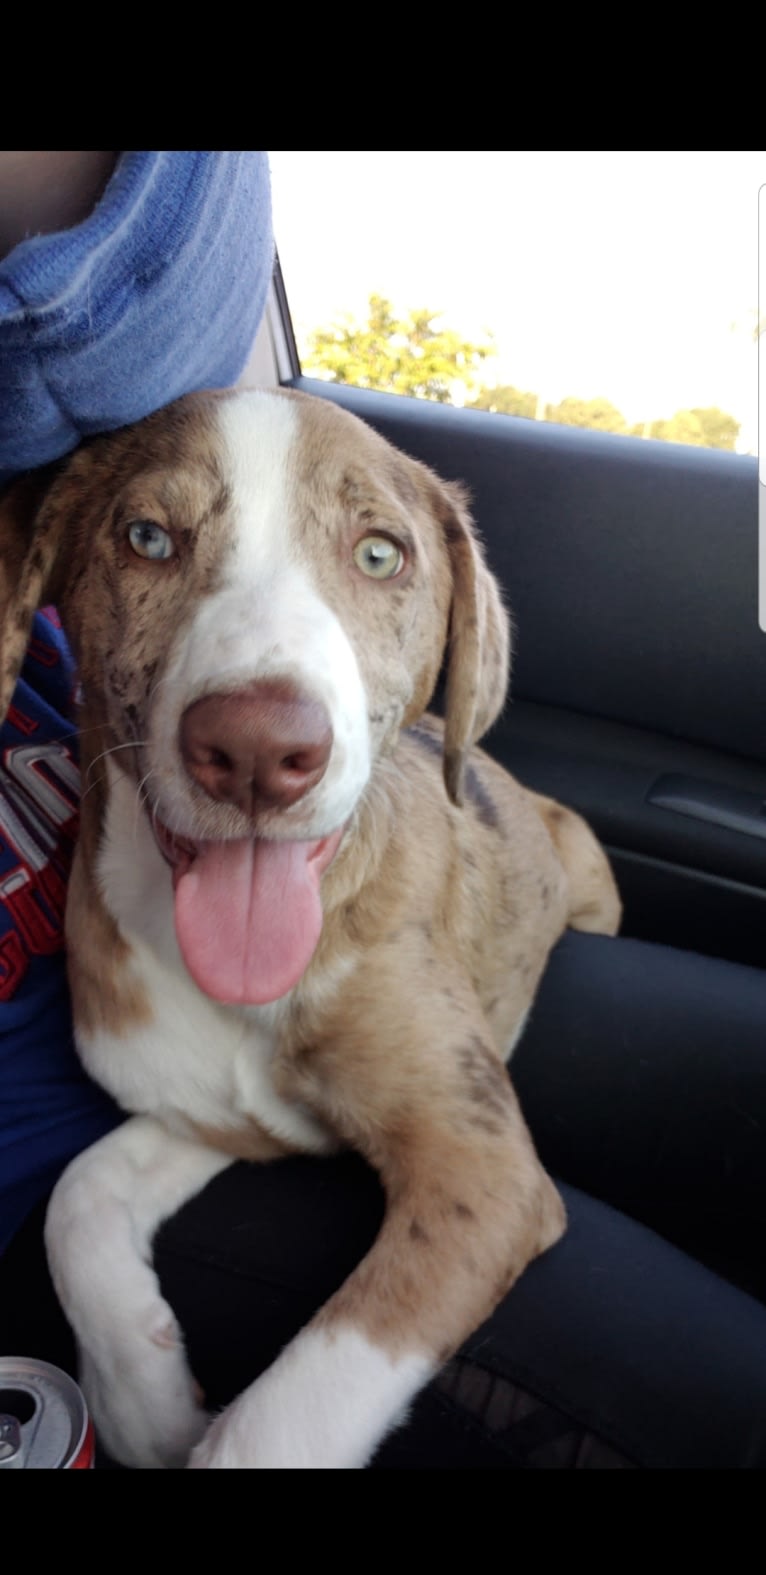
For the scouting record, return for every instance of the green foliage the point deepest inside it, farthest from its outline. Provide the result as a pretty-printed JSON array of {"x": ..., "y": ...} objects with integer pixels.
[
  {"x": 410, "y": 355},
  {"x": 705, "y": 427},
  {"x": 598, "y": 414},
  {"x": 416, "y": 355},
  {"x": 506, "y": 400}
]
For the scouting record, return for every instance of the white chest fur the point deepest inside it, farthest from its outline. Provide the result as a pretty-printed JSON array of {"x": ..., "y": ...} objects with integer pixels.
[{"x": 195, "y": 1060}]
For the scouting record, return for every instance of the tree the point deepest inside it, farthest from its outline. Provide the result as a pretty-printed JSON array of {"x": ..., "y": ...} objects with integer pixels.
[
  {"x": 599, "y": 414},
  {"x": 704, "y": 427},
  {"x": 507, "y": 400},
  {"x": 408, "y": 355}
]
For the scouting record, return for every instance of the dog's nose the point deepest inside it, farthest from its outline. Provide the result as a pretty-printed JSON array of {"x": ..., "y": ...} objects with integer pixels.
[{"x": 263, "y": 747}]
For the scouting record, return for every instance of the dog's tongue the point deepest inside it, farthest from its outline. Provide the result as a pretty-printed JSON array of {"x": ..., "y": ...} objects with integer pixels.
[{"x": 248, "y": 915}]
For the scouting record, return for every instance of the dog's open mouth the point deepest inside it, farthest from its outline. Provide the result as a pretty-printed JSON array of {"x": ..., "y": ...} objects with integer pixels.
[{"x": 248, "y": 912}]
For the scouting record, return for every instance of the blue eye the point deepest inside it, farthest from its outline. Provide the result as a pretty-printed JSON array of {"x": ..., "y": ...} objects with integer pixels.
[
  {"x": 149, "y": 540},
  {"x": 378, "y": 557}
]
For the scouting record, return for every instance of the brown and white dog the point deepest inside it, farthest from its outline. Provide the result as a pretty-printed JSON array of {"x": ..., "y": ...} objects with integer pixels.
[{"x": 302, "y": 914}]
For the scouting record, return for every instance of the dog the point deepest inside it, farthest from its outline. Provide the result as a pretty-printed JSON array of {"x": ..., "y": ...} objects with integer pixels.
[{"x": 303, "y": 914}]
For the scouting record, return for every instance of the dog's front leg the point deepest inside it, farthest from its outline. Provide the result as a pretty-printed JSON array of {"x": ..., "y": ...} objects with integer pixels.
[
  {"x": 101, "y": 1219},
  {"x": 468, "y": 1207}
]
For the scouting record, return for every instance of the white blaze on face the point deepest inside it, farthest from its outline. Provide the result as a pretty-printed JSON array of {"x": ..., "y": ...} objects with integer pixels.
[{"x": 266, "y": 619}]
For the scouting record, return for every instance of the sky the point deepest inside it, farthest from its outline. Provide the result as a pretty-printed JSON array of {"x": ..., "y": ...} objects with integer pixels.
[{"x": 628, "y": 276}]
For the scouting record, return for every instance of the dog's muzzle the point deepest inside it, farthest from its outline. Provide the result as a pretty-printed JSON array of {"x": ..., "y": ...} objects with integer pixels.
[{"x": 263, "y": 747}]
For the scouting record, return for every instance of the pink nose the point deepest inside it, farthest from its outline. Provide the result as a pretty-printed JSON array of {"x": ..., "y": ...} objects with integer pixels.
[{"x": 263, "y": 747}]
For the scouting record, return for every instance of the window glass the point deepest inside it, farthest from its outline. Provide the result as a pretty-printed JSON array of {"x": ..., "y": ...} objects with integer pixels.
[{"x": 611, "y": 290}]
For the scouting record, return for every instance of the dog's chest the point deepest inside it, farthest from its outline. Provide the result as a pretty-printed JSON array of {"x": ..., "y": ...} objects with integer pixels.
[
  {"x": 197, "y": 1065},
  {"x": 192, "y": 1061}
]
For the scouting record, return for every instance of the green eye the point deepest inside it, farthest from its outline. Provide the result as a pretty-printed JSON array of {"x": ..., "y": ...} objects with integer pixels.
[
  {"x": 378, "y": 557},
  {"x": 150, "y": 540}
]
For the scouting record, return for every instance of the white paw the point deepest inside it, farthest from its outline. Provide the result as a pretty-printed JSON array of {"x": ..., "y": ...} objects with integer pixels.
[
  {"x": 326, "y": 1403},
  {"x": 141, "y": 1395}
]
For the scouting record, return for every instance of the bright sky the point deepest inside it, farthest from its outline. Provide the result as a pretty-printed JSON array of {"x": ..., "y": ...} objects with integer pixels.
[{"x": 632, "y": 276}]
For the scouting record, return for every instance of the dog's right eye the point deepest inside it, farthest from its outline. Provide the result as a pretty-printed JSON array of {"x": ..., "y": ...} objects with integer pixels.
[{"x": 149, "y": 540}]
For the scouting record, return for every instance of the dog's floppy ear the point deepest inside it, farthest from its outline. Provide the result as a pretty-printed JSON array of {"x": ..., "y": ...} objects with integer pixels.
[
  {"x": 30, "y": 538},
  {"x": 478, "y": 653}
]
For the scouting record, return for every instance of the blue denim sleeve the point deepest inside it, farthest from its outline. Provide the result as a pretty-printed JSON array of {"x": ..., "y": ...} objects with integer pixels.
[{"x": 159, "y": 292}]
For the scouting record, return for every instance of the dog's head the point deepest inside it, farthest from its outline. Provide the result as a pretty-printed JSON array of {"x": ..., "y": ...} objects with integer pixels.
[{"x": 260, "y": 592}]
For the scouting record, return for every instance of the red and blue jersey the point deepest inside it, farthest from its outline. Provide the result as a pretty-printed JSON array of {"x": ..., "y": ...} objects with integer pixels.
[{"x": 49, "y": 1108}]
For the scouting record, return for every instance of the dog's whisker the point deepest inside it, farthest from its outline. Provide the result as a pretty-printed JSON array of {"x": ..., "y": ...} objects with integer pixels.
[
  {"x": 76, "y": 732},
  {"x": 138, "y": 744},
  {"x": 143, "y": 800},
  {"x": 141, "y": 795},
  {"x": 90, "y": 787},
  {"x": 160, "y": 681}
]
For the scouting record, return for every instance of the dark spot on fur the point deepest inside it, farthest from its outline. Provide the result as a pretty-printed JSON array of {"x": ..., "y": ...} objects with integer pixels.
[
  {"x": 417, "y": 1233},
  {"x": 402, "y": 483},
  {"x": 426, "y": 740},
  {"x": 463, "y": 1212},
  {"x": 222, "y": 500},
  {"x": 556, "y": 814},
  {"x": 485, "y": 1121},
  {"x": 352, "y": 492},
  {"x": 481, "y": 799},
  {"x": 545, "y": 891},
  {"x": 453, "y": 530},
  {"x": 486, "y": 1084}
]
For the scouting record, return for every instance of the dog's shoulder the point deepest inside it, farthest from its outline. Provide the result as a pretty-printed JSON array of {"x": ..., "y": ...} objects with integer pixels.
[
  {"x": 495, "y": 802},
  {"x": 415, "y": 860}
]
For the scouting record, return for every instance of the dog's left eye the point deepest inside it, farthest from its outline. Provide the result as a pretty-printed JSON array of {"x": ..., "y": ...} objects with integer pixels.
[
  {"x": 150, "y": 540},
  {"x": 378, "y": 557}
]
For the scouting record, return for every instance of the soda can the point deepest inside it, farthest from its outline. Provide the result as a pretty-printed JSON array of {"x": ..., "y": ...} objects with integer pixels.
[{"x": 44, "y": 1422}]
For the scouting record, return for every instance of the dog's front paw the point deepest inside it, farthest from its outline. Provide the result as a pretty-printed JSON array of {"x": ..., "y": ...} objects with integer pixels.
[
  {"x": 145, "y": 1404},
  {"x": 326, "y": 1403}
]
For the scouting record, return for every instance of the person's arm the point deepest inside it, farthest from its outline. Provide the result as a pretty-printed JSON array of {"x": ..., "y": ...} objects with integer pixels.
[{"x": 42, "y": 192}]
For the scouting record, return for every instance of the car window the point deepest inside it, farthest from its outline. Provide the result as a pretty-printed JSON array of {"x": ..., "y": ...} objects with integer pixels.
[{"x": 616, "y": 291}]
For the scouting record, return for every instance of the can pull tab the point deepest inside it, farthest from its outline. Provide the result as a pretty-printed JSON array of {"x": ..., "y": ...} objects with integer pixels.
[{"x": 10, "y": 1440}]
